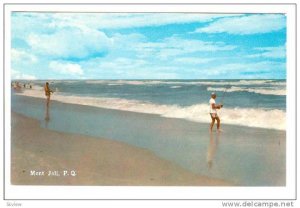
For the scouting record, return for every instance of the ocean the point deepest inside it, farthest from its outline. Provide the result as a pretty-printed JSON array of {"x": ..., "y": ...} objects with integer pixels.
[{"x": 253, "y": 103}]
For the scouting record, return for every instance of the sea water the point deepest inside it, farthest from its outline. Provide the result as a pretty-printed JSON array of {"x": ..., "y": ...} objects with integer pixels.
[{"x": 254, "y": 103}]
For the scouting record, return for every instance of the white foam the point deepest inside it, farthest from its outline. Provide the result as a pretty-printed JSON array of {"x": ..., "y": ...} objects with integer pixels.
[
  {"x": 174, "y": 87},
  {"x": 37, "y": 87},
  {"x": 243, "y": 83},
  {"x": 253, "y": 117},
  {"x": 264, "y": 91},
  {"x": 96, "y": 81}
]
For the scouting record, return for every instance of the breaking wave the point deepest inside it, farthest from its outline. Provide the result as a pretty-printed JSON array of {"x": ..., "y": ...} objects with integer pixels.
[
  {"x": 169, "y": 82},
  {"x": 175, "y": 87},
  {"x": 252, "y": 117},
  {"x": 264, "y": 91}
]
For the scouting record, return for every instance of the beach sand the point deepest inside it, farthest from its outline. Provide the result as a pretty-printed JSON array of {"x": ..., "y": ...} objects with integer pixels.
[
  {"x": 241, "y": 156},
  {"x": 96, "y": 161}
]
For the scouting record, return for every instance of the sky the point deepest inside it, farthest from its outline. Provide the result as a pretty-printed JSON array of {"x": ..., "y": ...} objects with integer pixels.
[{"x": 147, "y": 46}]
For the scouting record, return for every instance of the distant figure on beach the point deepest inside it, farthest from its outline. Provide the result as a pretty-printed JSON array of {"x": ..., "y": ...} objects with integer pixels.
[
  {"x": 48, "y": 92},
  {"x": 16, "y": 86},
  {"x": 213, "y": 111}
]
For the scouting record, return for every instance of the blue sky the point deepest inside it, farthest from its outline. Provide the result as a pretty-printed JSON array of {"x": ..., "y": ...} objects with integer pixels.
[{"x": 148, "y": 46}]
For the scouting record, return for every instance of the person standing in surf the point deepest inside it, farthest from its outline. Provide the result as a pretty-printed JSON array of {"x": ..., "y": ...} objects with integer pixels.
[
  {"x": 48, "y": 92},
  {"x": 213, "y": 112}
]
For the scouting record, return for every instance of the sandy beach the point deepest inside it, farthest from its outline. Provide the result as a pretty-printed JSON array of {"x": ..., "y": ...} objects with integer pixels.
[
  {"x": 96, "y": 161},
  {"x": 113, "y": 147}
]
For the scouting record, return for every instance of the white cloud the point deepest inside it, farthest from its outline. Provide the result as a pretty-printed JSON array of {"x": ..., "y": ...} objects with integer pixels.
[
  {"x": 129, "y": 20},
  {"x": 129, "y": 68},
  {"x": 20, "y": 55},
  {"x": 127, "y": 41},
  {"x": 270, "y": 52},
  {"x": 175, "y": 46},
  {"x": 24, "y": 23},
  {"x": 70, "y": 43},
  {"x": 246, "y": 25},
  {"x": 66, "y": 68},
  {"x": 19, "y": 75},
  {"x": 193, "y": 60},
  {"x": 116, "y": 65}
]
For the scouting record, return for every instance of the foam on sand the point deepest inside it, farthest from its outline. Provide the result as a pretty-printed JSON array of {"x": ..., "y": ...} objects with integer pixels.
[{"x": 252, "y": 117}]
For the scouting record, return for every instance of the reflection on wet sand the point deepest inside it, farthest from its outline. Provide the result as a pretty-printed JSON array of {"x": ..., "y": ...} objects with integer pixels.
[
  {"x": 212, "y": 148},
  {"x": 47, "y": 115}
]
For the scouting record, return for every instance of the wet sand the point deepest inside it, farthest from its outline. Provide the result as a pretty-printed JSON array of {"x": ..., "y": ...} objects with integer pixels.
[
  {"x": 95, "y": 161},
  {"x": 243, "y": 156}
]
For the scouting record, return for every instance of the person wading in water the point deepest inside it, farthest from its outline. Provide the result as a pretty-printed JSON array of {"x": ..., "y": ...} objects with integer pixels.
[{"x": 48, "y": 92}]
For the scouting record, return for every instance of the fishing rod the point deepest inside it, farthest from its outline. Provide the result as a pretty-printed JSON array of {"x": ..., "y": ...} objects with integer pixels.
[{"x": 222, "y": 98}]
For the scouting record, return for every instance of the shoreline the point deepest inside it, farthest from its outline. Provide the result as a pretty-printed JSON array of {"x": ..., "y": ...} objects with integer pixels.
[
  {"x": 97, "y": 161},
  {"x": 244, "y": 156},
  {"x": 146, "y": 114}
]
